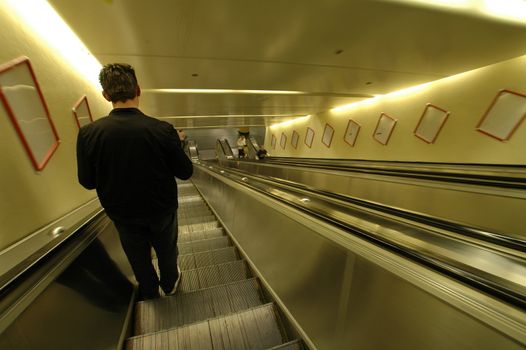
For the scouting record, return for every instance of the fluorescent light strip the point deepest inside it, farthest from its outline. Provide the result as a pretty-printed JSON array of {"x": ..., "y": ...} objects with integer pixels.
[
  {"x": 290, "y": 122},
  {"x": 231, "y": 116},
  {"x": 401, "y": 92},
  {"x": 45, "y": 23},
  {"x": 223, "y": 91}
]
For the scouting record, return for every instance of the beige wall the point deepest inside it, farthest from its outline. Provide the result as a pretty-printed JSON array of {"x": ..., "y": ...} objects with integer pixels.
[
  {"x": 31, "y": 199},
  {"x": 467, "y": 96}
]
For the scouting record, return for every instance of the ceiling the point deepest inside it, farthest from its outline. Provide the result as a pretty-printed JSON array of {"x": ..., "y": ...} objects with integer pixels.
[{"x": 334, "y": 52}]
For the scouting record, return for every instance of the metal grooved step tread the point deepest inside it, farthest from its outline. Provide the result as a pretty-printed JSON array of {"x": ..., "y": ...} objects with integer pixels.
[
  {"x": 252, "y": 329},
  {"x": 200, "y": 235},
  {"x": 291, "y": 345},
  {"x": 204, "y": 245},
  {"x": 190, "y": 199},
  {"x": 196, "y": 220},
  {"x": 202, "y": 259},
  {"x": 184, "y": 308},
  {"x": 203, "y": 226},
  {"x": 210, "y": 276}
]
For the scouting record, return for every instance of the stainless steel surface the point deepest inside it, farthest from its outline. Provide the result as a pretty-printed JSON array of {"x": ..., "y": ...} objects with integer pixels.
[
  {"x": 488, "y": 209},
  {"x": 253, "y": 329},
  {"x": 165, "y": 313},
  {"x": 345, "y": 291},
  {"x": 218, "y": 304},
  {"x": 82, "y": 290},
  {"x": 20, "y": 256}
]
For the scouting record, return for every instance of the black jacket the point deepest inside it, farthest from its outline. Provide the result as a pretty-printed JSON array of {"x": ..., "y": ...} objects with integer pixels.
[{"x": 131, "y": 160}]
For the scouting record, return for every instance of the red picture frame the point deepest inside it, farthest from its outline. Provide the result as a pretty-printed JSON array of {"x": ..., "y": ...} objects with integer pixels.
[
  {"x": 26, "y": 107},
  {"x": 504, "y": 115},
  {"x": 431, "y": 123},
  {"x": 82, "y": 112},
  {"x": 384, "y": 128}
]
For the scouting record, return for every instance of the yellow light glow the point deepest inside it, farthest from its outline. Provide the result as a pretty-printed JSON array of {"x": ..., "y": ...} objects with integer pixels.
[
  {"x": 505, "y": 10},
  {"x": 45, "y": 24},
  {"x": 226, "y": 116},
  {"x": 377, "y": 98},
  {"x": 290, "y": 122},
  {"x": 223, "y": 91}
]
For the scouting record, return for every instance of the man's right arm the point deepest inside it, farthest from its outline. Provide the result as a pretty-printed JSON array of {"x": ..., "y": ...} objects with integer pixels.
[
  {"x": 181, "y": 165},
  {"x": 85, "y": 170}
]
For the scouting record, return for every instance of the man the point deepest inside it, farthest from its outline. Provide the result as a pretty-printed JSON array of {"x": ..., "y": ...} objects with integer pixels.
[{"x": 132, "y": 160}]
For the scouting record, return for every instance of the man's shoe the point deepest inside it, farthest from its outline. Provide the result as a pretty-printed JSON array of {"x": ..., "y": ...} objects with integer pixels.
[{"x": 172, "y": 292}]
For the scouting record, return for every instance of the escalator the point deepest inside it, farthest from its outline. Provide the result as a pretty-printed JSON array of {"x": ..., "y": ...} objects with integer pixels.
[
  {"x": 266, "y": 264},
  {"x": 219, "y": 303}
]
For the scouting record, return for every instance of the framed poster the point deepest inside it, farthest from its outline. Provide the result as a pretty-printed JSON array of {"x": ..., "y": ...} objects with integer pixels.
[
  {"x": 384, "y": 129},
  {"x": 82, "y": 112},
  {"x": 504, "y": 115},
  {"x": 351, "y": 133},
  {"x": 295, "y": 138},
  {"x": 309, "y": 137},
  {"x": 25, "y": 105},
  {"x": 431, "y": 122},
  {"x": 328, "y": 133},
  {"x": 273, "y": 141},
  {"x": 283, "y": 140}
]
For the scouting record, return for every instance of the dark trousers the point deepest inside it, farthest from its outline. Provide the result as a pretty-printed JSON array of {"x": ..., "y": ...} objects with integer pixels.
[{"x": 137, "y": 238}]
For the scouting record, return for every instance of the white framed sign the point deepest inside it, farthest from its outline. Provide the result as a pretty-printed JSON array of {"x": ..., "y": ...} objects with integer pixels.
[
  {"x": 384, "y": 128},
  {"x": 283, "y": 140},
  {"x": 273, "y": 141},
  {"x": 504, "y": 115},
  {"x": 295, "y": 138},
  {"x": 82, "y": 112},
  {"x": 430, "y": 123},
  {"x": 328, "y": 133},
  {"x": 309, "y": 137},
  {"x": 351, "y": 133},
  {"x": 25, "y": 105}
]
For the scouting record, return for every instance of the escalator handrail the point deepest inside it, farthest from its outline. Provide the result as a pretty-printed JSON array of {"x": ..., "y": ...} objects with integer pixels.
[{"x": 466, "y": 273}]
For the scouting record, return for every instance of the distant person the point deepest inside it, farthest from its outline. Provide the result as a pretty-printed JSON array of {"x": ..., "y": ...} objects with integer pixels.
[
  {"x": 262, "y": 153},
  {"x": 132, "y": 160},
  {"x": 183, "y": 138},
  {"x": 241, "y": 144}
]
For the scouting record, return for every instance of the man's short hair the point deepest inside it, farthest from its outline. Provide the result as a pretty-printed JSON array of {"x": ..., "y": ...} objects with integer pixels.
[{"x": 118, "y": 81}]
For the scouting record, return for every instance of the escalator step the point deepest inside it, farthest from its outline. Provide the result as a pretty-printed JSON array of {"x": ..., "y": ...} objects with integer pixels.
[
  {"x": 184, "y": 308},
  {"x": 202, "y": 259},
  {"x": 214, "y": 275},
  {"x": 212, "y": 257},
  {"x": 204, "y": 245},
  {"x": 183, "y": 200},
  {"x": 186, "y": 214},
  {"x": 252, "y": 329},
  {"x": 291, "y": 345},
  {"x": 203, "y": 217},
  {"x": 203, "y": 226},
  {"x": 200, "y": 235}
]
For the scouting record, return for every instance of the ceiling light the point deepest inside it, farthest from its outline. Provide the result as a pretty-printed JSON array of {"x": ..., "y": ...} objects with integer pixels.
[
  {"x": 223, "y": 91},
  {"x": 290, "y": 122},
  {"x": 46, "y": 24}
]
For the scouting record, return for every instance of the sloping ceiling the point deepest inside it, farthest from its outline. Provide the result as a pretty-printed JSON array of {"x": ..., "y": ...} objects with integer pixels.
[{"x": 333, "y": 52}]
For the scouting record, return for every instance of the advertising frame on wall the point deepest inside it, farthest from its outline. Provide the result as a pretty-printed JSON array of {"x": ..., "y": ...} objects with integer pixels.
[
  {"x": 431, "y": 123},
  {"x": 309, "y": 137},
  {"x": 504, "y": 115},
  {"x": 328, "y": 133},
  {"x": 351, "y": 133},
  {"x": 22, "y": 98},
  {"x": 384, "y": 128},
  {"x": 82, "y": 112},
  {"x": 273, "y": 141},
  {"x": 295, "y": 138},
  {"x": 283, "y": 140}
]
